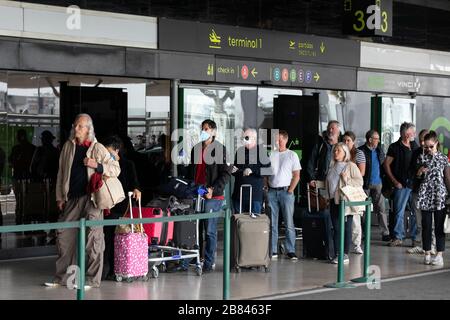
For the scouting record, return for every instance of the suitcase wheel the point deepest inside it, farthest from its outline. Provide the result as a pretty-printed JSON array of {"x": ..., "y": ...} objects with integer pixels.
[
  {"x": 266, "y": 269},
  {"x": 198, "y": 270},
  {"x": 238, "y": 270},
  {"x": 155, "y": 272},
  {"x": 119, "y": 278},
  {"x": 130, "y": 279},
  {"x": 145, "y": 278},
  {"x": 162, "y": 267}
]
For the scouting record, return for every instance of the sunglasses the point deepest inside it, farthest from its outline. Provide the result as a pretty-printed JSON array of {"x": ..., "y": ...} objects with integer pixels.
[{"x": 429, "y": 147}]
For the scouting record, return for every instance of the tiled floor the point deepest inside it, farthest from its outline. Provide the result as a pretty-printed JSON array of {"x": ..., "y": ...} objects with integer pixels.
[{"x": 23, "y": 279}]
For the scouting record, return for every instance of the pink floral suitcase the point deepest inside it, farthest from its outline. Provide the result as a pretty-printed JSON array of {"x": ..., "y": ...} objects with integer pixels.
[{"x": 131, "y": 254}]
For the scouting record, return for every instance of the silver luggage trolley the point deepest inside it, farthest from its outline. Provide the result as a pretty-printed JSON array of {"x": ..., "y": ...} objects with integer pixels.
[{"x": 163, "y": 254}]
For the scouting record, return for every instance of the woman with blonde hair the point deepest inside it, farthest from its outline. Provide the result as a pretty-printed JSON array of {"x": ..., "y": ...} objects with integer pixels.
[
  {"x": 343, "y": 172},
  {"x": 358, "y": 157}
]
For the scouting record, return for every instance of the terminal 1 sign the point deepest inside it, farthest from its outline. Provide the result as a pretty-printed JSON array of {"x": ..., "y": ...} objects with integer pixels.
[{"x": 187, "y": 36}]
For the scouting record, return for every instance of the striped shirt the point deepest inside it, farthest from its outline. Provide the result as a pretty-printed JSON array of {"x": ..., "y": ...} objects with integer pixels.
[{"x": 360, "y": 157}]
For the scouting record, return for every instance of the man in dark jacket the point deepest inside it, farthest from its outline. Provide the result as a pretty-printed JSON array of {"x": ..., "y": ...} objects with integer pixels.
[
  {"x": 319, "y": 162},
  {"x": 249, "y": 164},
  {"x": 373, "y": 178},
  {"x": 209, "y": 167},
  {"x": 397, "y": 167}
]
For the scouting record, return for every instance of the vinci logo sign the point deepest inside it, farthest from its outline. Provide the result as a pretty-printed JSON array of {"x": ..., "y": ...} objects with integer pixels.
[{"x": 368, "y": 17}]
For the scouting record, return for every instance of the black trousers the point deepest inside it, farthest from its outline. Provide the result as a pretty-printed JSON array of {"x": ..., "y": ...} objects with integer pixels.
[
  {"x": 334, "y": 212},
  {"x": 108, "y": 254},
  {"x": 427, "y": 220}
]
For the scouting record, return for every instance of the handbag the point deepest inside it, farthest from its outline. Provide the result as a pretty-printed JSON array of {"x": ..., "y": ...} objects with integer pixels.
[
  {"x": 315, "y": 200},
  {"x": 109, "y": 194},
  {"x": 447, "y": 224},
  {"x": 128, "y": 228},
  {"x": 354, "y": 194}
]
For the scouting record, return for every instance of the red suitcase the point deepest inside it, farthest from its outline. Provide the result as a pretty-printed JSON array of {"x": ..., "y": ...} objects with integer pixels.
[{"x": 158, "y": 233}]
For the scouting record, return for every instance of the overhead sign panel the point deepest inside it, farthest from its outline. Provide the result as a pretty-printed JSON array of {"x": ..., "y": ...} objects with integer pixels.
[
  {"x": 403, "y": 83},
  {"x": 294, "y": 75},
  {"x": 218, "y": 39}
]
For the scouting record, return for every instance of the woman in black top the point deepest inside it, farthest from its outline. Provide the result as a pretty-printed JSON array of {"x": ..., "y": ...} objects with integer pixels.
[{"x": 128, "y": 178}]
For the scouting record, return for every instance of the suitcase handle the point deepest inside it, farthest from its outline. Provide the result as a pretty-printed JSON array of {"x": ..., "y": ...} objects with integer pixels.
[
  {"x": 130, "y": 194},
  {"x": 240, "y": 200},
  {"x": 308, "y": 190}
]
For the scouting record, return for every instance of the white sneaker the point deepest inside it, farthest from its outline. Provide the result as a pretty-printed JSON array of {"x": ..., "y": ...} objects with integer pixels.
[
  {"x": 86, "y": 287},
  {"x": 274, "y": 257},
  {"x": 52, "y": 284},
  {"x": 415, "y": 250},
  {"x": 346, "y": 259},
  {"x": 357, "y": 250},
  {"x": 438, "y": 260},
  {"x": 427, "y": 259}
]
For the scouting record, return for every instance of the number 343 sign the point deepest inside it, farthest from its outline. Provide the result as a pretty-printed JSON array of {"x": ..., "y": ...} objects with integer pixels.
[{"x": 368, "y": 17}]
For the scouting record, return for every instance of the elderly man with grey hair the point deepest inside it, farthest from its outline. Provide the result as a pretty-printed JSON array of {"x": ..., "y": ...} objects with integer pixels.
[
  {"x": 81, "y": 157},
  {"x": 397, "y": 168}
]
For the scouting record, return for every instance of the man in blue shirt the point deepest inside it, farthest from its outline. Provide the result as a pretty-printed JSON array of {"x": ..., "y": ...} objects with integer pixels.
[{"x": 372, "y": 178}]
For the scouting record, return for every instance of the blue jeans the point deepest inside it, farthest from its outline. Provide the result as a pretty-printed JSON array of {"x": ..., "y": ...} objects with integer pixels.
[
  {"x": 256, "y": 206},
  {"x": 401, "y": 198},
  {"x": 282, "y": 200},
  {"x": 211, "y": 232}
]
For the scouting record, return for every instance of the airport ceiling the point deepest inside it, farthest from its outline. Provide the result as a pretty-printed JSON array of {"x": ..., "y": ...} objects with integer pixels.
[{"x": 416, "y": 23}]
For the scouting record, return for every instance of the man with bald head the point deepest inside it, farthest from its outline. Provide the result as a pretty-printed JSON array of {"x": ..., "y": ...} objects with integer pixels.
[
  {"x": 80, "y": 158},
  {"x": 249, "y": 164}
]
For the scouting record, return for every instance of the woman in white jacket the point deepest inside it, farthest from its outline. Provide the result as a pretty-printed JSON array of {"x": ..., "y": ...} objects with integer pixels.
[{"x": 343, "y": 172}]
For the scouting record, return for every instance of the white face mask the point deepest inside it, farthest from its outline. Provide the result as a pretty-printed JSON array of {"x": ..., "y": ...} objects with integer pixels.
[{"x": 204, "y": 136}]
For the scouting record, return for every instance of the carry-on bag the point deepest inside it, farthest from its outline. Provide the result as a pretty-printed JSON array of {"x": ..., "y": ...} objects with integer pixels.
[
  {"x": 158, "y": 233},
  {"x": 131, "y": 251},
  {"x": 250, "y": 236}
]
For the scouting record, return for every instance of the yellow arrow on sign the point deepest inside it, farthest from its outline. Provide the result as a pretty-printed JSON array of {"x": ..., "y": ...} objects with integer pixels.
[
  {"x": 254, "y": 72},
  {"x": 316, "y": 77},
  {"x": 322, "y": 47},
  {"x": 291, "y": 44}
]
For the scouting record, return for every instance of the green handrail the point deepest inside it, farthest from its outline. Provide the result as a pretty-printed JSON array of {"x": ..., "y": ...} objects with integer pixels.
[
  {"x": 340, "y": 283},
  {"x": 82, "y": 224}
]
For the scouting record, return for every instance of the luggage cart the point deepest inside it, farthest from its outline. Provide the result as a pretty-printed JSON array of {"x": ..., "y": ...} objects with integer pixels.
[{"x": 159, "y": 255}]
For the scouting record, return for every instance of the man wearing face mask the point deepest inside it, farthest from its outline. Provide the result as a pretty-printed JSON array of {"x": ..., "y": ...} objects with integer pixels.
[
  {"x": 249, "y": 168},
  {"x": 397, "y": 168},
  {"x": 209, "y": 167}
]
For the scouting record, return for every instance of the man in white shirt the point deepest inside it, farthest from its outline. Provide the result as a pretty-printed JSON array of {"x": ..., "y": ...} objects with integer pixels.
[{"x": 286, "y": 175}]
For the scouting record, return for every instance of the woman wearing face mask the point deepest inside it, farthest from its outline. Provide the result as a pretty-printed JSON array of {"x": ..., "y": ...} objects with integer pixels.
[
  {"x": 342, "y": 172},
  {"x": 431, "y": 197},
  {"x": 357, "y": 157}
]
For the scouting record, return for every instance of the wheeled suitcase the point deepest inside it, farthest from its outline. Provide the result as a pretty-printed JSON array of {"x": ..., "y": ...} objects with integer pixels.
[
  {"x": 185, "y": 234},
  {"x": 131, "y": 252},
  {"x": 250, "y": 236},
  {"x": 158, "y": 233},
  {"x": 317, "y": 235}
]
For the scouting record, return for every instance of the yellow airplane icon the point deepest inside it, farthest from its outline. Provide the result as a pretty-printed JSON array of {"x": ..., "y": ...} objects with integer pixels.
[
  {"x": 291, "y": 44},
  {"x": 215, "y": 39}
]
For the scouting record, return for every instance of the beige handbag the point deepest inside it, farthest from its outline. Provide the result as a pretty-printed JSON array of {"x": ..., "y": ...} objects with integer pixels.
[{"x": 110, "y": 193}]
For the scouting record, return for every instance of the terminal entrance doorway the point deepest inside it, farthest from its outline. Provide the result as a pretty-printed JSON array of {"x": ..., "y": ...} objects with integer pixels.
[
  {"x": 107, "y": 107},
  {"x": 299, "y": 116}
]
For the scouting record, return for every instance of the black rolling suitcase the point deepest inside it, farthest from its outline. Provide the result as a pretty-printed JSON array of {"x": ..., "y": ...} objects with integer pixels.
[
  {"x": 317, "y": 235},
  {"x": 317, "y": 240}
]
